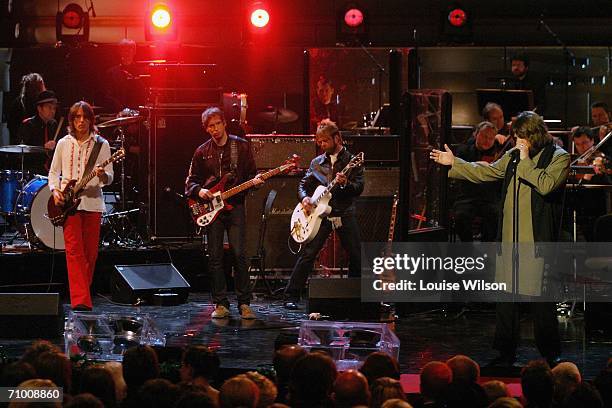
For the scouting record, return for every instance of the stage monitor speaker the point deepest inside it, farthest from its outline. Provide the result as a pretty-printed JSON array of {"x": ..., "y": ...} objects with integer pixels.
[
  {"x": 277, "y": 240},
  {"x": 30, "y": 315},
  {"x": 156, "y": 284},
  {"x": 373, "y": 216},
  {"x": 339, "y": 298}
]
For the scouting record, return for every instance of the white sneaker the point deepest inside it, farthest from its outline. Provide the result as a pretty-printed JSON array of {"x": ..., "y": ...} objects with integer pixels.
[
  {"x": 220, "y": 312},
  {"x": 246, "y": 312}
]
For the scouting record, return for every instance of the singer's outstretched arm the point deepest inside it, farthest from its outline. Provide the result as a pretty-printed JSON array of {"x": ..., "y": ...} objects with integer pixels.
[{"x": 479, "y": 172}]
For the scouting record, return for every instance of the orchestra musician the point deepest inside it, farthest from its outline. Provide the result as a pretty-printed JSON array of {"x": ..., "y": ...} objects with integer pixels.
[{"x": 478, "y": 199}]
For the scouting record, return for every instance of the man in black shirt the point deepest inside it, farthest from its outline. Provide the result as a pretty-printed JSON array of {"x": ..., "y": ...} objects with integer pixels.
[
  {"x": 525, "y": 80},
  {"x": 220, "y": 155}
]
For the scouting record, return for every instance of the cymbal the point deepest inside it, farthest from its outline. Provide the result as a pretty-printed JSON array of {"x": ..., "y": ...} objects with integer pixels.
[
  {"x": 278, "y": 115},
  {"x": 122, "y": 121},
  {"x": 22, "y": 149}
]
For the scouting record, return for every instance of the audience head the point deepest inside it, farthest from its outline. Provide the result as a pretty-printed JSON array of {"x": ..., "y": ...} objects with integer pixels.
[
  {"x": 15, "y": 373},
  {"x": 585, "y": 396},
  {"x": 158, "y": 393},
  {"x": 495, "y": 389},
  {"x": 37, "y": 348},
  {"x": 537, "y": 383},
  {"x": 464, "y": 369},
  {"x": 351, "y": 389},
  {"x": 55, "y": 367},
  {"x": 284, "y": 360},
  {"x": 36, "y": 383},
  {"x": 384, "y": 389},
  {"x": 99, "y": 382},
  {"x": 115, "y": 369},
  {"x": 237, "y": 392},
  {"x": 312, "y": 379},
  {"x": 378, "y": 365},
  {"x": 85, "y": 400},
  {"x": 267, "y": 389},
  {"x": 199, "y": 361},
  {"x": 195, "y": 399},
  {"x": 603, "y": 382},
  {"x": 567, "y": 377},
  {"x": 435, "y": 378},
  {"x": 139, "y": 365},
  {"x": 395, "y": 403},
  {"x": 506, "y": 402}
]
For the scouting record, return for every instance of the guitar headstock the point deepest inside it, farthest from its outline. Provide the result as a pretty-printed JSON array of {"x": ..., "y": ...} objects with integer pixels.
[
  {"x": 356, "y": 161},
  {"x": 118, "y": 155},
  {"x": 292, "y": 163}
]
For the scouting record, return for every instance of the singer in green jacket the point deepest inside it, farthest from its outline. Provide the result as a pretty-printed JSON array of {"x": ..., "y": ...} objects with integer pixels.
[{"x": 541, "y": 168}]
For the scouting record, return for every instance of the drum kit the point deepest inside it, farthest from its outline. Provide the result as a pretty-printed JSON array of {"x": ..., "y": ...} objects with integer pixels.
[{"x": 23, "y": 201}]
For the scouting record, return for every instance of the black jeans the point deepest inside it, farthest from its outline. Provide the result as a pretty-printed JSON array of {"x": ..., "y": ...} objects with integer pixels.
[
  {"x": 546, "y": 328},
  {"x": 234, "y": 222},
  {"x": 349, "y": 238}
]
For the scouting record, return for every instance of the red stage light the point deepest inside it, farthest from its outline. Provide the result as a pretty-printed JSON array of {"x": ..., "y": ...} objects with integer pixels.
[
  {"x": 72, "y": 16},
  {"x": 260, "y": 17},
  {"x": 457, "y": 17},
  {"x": 353, "y": 17},
  {"x": 160, "y": 17}
]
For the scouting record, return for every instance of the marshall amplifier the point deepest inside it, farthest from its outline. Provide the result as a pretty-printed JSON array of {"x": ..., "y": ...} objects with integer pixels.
[{"x": 271, "y": 150}]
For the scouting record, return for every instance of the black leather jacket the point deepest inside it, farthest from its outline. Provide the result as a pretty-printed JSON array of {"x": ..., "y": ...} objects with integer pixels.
[
  {"x": 211, "y": 162},
  {"x": 320, "y": 173}
]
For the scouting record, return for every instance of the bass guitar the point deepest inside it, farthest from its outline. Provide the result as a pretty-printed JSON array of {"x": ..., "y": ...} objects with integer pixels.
[
  {"x": 304, "y": 227},
  {"x": 206, "y": 211},
  {"x": 57, "y": 213}
]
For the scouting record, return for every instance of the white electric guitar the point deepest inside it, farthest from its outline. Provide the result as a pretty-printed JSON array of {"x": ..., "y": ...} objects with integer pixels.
[{"x": 304, "y": 227}]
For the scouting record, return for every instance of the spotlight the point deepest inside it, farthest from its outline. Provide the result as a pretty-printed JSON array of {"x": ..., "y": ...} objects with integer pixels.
[
  {"x": 260, "y": 17},
  {"x": 352, "y": 24},
  {"x": 160, "y": 24},
  {"x": 457, "y": 17},
  {"x": 73, "y": 18},
  {"x": 353, "y": 17}
]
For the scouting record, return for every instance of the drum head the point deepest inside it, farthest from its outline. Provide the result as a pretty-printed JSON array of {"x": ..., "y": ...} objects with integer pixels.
[{"x": 45, "y": 232}]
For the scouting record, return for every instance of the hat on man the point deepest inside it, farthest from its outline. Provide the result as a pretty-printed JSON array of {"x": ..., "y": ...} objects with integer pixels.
[{"x": 46, "y": 97}]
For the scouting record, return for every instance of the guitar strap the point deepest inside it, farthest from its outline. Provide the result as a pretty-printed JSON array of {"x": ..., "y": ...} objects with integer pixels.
[
  {"x": 95, "y": 151},
  {"x": 234, "y": 156}
]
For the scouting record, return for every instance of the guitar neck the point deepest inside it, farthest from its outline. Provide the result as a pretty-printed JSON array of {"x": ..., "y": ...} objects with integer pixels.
[
  {"x": 83, "y": 182},
  {"x": 251, "y": 183}
]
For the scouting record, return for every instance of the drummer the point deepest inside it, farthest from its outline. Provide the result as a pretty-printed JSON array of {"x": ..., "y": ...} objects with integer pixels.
[{"x": 40, "y": 130}]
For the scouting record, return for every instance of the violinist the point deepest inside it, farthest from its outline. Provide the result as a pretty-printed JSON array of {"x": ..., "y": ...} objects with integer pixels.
[
  {"x": 478, "y": 200},
  {"x": 589, "y": 203}
]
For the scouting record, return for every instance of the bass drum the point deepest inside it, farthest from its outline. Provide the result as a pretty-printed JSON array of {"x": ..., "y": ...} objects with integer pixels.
[{"x": 32, "y": 214}]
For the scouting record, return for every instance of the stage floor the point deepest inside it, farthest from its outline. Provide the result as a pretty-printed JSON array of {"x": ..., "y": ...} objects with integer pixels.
[{"x": 424, "y": 335}]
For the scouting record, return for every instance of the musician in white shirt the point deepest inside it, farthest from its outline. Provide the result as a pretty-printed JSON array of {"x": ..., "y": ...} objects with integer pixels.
[{"x": 81, "y": 229}]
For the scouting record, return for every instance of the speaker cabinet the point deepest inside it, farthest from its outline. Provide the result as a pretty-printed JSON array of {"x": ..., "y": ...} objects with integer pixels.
[
  {"x": 271, "y": 150},
  {"x": 277, "y": 239},
  {"x": 30, "y": 315},
  {"x": 339, "y": 298},
  {"x": 157, "y": 284},
  {"x": 174, "y": 136}
]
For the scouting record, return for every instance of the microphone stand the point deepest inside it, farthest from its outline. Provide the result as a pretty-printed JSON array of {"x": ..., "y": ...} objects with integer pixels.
[
  {"x": 569, "y": 56},
  {"x": 515, "y": 229},
  {"x": 381, "y": 72}
]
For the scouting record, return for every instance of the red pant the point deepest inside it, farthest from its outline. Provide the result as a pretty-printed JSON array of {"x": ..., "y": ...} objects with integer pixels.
[{"x": 81, "y": 236}]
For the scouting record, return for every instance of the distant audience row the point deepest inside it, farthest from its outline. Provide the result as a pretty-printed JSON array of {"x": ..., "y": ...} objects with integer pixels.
[{"x": 299, "y": 379}]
